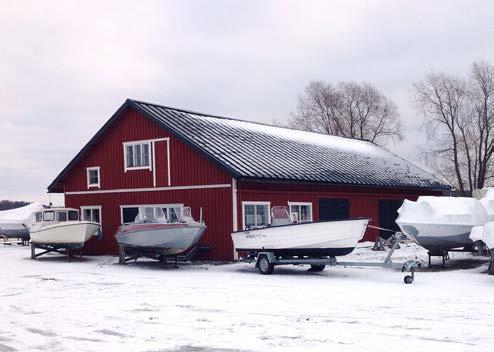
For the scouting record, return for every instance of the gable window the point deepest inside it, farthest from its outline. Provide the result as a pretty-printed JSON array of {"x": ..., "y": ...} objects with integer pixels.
[
  {"x": 303, "y": 211},
  {"x": 93, "y": 177},
  {"x": 91, "y": 213},
  {"x": 136, "y": 155},
  {"x": 256, "y": 214}
]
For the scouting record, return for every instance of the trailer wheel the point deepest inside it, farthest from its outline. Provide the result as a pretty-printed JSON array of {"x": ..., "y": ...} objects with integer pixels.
[
  {"x": 265, "y": 267},
  {"x": 408, "y": 279},
  {"x": 317, "y": 267}
]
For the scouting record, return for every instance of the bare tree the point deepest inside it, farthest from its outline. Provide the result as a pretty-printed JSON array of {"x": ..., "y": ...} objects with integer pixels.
[
  {"x": 481, "y": 122},
  {"x": 459, "y": 121},
  {"x": 440, "y": 99},
  {"x": 350, "y": 109}
]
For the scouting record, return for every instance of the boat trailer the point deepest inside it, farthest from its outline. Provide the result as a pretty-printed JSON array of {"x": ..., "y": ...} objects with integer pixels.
[
  {"x": 267, "y": 260},
  {"x": 127, "y": 254},
  {"x": 67, "y": 250}
]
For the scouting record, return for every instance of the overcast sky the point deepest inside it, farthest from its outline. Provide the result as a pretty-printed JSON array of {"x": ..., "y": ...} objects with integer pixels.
[{"x": 66, "y": 66}]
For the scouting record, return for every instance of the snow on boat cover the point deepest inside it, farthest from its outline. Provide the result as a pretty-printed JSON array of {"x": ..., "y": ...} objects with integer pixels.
[{"x": 441, "y": 223}]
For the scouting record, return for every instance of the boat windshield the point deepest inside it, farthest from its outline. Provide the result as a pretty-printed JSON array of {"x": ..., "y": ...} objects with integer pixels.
[{"x": 150, "y": 215}]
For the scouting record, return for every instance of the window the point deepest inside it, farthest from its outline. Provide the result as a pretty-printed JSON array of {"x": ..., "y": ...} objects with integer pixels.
[
  {"x": 48, "y": 216},
  {"x": 39, "y": 217},
  {"x": 73, "y": 215},
  {"x": 61, "y": 216},
  {"x": 136, "y": 155},
  {"x": 256, "y": 214},
  {"x": 173, "y": 212},
  {"x": 91, "y": 213},
  {"x": 303, "y": 211},
  {"x": 93, "y": 177}
]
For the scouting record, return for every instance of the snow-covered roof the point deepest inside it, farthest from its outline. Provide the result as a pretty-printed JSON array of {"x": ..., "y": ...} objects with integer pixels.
[
  {"x": 259, "y": 151},
  {"x": 249, "y": 150}
]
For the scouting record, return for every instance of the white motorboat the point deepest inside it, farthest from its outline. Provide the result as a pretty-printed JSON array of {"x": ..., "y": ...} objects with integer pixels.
[
  {"x": 61, "y": 227},
  {"x": 15, "y": 223},
  {"x": 441, "y": 223},
  {"x": 152, "y": 230},
  {"x": 287, "y": 238}
]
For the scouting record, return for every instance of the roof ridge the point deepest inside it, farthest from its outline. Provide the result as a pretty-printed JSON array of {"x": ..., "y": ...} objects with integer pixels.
[{"x": 248, "y": 121}]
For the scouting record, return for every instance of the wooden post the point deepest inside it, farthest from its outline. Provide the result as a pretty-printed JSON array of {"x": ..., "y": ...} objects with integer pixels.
[
  {"x": 491, "y": 263},
  {"x": 121, "y": 255}
]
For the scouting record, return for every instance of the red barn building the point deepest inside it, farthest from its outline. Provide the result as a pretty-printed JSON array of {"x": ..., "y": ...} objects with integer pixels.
[{"x": 235, "y": 170}]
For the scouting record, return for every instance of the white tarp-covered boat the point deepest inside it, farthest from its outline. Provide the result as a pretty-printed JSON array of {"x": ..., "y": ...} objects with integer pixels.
[
  {"x": 441, "y": 223},
  {"x": 61, "y": 227},
  {"x": 16, "y": 222},
  {"x": 488, "y": 203},
  {"x": 286, "y": 238}
]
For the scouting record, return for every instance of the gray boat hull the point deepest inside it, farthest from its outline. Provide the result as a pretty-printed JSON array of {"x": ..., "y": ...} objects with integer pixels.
[{"x": 173, "y": 240}]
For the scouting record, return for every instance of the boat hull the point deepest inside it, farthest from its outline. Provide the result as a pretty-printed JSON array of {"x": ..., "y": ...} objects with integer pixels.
[
  {"x": 64, "y": 235},
  {"x": 438, "y": 237},
  {"x": 170, "y": 239},
  {"x": 325, "y": 238}
]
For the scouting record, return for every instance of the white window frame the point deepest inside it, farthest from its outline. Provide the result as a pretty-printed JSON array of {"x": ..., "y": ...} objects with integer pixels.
[
  {"x": 97, "y": 185},
  {"x": 169, "y": 205},
  {"x": 244, "y": 203},
  {"x": 290, "y": 204},
  {"x": 92, "y": 207},
  {"x": 150, "y": 155}
]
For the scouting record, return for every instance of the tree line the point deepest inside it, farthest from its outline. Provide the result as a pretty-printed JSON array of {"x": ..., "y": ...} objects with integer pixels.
[
  {"x": 457, "y": 116},
  {"x": 9, "y": 204}
]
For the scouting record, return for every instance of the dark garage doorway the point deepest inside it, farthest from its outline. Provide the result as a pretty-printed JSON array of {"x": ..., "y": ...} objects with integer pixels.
[
  {"x": 388, "y": 212},
  {"x": 334, "y": 209}
]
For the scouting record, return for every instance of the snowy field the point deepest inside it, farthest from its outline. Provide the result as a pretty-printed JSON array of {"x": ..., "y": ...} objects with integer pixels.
[{"x": 95, "y": 305}]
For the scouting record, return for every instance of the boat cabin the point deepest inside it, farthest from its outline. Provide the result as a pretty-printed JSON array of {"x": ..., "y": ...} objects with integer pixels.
[{"x": 57, "y": 215}]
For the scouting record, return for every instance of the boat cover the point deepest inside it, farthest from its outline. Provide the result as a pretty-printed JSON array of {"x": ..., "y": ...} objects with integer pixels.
[
  {"x": 23, "y": 215},
  {"x": 488, "y": 236},
  {"x": 476, "y": 233},
  {"x": 488, "y": 203},
  {"x": 443, "y": 210}
]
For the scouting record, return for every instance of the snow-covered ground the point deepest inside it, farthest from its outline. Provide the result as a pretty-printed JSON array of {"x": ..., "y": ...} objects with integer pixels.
[{"x": 96, "y": 305}]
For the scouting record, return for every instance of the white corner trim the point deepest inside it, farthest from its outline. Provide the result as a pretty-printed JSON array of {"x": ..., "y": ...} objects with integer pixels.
[
  {"x": 234, "y": 205},
  {"x": 168, "y": 161},
  {"x": 97, "y": 185},
  {"x": 234, "y": 213},
  {"x": 153, "y": 148},
  {"x": 152, "y": 189}
]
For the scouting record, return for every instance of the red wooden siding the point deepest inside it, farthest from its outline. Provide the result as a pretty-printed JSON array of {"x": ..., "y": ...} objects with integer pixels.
[
  {"x": 364, "y": 201},
  {"x": 161, "y": 159},
  {"x": 187, "y": 166},
  {"x": 215, "y": 203}
]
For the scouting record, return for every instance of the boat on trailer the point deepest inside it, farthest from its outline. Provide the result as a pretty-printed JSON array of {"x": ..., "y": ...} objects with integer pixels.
[
  {"x": 288, "y": 242},
  {"x": 287, "y": 237},
  {"x": 153, "y": 235},
  {"x": 57, "y": 229}
]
